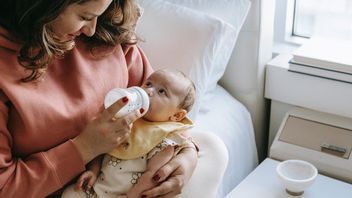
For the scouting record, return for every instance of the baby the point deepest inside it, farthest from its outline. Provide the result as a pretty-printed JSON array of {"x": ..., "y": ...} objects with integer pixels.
[{"x": 155, "y": 138}]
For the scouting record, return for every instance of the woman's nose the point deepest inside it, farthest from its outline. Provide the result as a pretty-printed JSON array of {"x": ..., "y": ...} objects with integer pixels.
[{"x": 89, "y": 28}]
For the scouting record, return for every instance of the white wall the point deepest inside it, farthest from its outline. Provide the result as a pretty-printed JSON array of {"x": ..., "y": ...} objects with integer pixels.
[{"x": 244, "y": 77}]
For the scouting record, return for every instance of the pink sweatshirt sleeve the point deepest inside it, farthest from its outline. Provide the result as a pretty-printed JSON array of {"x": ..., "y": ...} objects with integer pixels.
[
  {"x": 138, "y": 65},
  {"x": 38, "y": 174}
]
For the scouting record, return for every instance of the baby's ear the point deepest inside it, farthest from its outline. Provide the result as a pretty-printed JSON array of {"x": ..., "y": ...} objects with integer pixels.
[{"x": 179, "y": 115}]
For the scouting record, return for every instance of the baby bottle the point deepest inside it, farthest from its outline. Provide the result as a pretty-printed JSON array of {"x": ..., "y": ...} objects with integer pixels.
[{"x": 137, "y": 98}]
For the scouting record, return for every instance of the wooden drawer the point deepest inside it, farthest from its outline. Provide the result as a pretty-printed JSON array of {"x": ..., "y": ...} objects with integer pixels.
[{"x": 318, "y": 136}]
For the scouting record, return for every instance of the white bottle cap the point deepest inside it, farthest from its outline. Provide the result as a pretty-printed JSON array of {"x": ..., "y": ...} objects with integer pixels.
[{"x": 137, "y": 98}]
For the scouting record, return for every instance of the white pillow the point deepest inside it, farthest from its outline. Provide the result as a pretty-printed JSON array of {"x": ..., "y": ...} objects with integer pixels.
[
  {"x": 181, "y": 38},
  {"x": 231, "y": 11}
]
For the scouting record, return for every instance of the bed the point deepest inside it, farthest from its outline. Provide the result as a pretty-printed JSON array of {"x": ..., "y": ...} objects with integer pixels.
[
  {"x": 219, "y": 44},
  {"x": 230, "y": 120}
]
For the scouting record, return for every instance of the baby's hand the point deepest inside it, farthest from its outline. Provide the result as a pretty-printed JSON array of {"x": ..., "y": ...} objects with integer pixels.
[{"x": 86, "y": 180}]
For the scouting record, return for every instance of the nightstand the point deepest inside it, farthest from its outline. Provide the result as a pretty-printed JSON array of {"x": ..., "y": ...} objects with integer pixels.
[
  {"x": 263, "y": 182},
  {"x": 288, "y": 90}
]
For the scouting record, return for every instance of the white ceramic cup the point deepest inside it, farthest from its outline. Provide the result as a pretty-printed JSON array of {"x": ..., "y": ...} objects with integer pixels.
[{"x": 296, "y": 175}]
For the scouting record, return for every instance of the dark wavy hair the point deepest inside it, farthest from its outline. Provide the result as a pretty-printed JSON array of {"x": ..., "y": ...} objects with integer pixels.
[{"x": 29, "y": 22}]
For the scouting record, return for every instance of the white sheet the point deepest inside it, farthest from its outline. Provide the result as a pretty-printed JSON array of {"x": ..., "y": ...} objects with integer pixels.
[{"x": 226, "y": 117}]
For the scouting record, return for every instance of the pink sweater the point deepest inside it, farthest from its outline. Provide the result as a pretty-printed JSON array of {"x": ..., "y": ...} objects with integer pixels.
[{"x": 38, "y": 119}]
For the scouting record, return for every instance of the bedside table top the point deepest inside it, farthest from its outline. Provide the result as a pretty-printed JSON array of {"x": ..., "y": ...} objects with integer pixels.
[
  {"x": 306, "y": 91},
  {"x": 264, "y": 182}
]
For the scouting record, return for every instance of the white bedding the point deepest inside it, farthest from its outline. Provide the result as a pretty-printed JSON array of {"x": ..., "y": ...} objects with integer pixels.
[{"x": 226, "y": 117}]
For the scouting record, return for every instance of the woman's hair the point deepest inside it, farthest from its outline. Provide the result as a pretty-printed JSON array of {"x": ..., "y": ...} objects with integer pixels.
[{"x": 29, "y": 21}]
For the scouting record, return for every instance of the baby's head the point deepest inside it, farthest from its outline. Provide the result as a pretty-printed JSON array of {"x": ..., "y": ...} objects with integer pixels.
[{"x": 171, "y": 95}]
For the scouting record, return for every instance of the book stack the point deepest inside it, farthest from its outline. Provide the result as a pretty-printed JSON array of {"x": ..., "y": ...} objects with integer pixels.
[{"x": 329, "y": 59}]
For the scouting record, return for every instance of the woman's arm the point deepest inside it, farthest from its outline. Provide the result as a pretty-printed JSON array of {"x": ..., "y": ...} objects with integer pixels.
[
  {"x": 145, "y": 182},
  {"x": 139, "y": 68},
  {"x": 38, "y": 174}
]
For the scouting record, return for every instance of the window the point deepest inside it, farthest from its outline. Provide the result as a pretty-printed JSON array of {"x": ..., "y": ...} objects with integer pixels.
[
  {"x": 298, "y": 20},
  {"x": 323, "y": 18}
]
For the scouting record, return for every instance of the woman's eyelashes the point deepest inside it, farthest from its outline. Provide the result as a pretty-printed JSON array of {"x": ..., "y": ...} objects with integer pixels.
[{"x": 85, "y": 18}]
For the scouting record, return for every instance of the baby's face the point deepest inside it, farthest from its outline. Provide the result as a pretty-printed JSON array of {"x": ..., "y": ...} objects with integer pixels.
[{"x": 166, "y": 90}]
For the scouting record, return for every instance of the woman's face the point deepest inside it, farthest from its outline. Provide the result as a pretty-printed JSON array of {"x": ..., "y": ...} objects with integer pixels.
[{"x": 78, "y": 19}]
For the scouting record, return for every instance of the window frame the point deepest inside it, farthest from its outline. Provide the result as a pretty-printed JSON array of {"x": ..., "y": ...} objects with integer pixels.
[
  {"x": 289, "y": 28},
  {"x": 284, "y": 40},
  {"x": 294, "y": 21}
]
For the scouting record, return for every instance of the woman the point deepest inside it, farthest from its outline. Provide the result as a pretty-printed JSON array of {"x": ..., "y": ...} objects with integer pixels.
[{"x": 58, "y": 60}]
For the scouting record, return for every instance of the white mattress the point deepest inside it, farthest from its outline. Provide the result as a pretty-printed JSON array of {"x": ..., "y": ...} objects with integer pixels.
[{"x": 230, "y": 120}]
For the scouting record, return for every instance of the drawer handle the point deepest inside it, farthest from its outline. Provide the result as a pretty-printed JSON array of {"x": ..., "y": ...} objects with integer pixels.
[{"x": 333, "y": 149}]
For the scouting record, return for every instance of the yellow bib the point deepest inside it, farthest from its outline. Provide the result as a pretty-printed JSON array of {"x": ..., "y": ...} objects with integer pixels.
[{"x": 146, "y": 135}]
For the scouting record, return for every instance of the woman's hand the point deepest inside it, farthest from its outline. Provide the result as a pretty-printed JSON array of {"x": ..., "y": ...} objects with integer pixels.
[
  {"x": 174, "y": 175},
  {"x": 105, "y": 132}
]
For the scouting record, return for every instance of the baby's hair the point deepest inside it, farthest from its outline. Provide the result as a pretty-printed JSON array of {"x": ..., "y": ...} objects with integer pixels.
[{"x": 190, "y": 96}]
